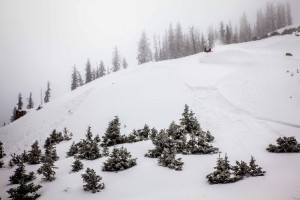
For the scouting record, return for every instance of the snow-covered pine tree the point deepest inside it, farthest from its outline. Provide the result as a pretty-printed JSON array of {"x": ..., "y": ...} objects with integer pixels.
[
  {"x": 160, "y": 142},
  {"x": 47, "y": 169},
  {"x": 47, "y": 93},
  {"x": 50, "y": 151},
  {"x": 74, "y": 82},
  {"x": 73, "y": 150},
  {"x": 34, "y": 155},
  {"x": 13, "y": 117},
  {"x": 2, "y": 154},
  {"x": 20, "y": 175},
  {"x": 167, "y": 159},
  {"x": 30, "y": 102},
  {"x": 144, "y": 50},
  {"x": 223, "y": 173},
  {"x": 102, "y": 69},
  {"x": 77, "y": 166},
  {"x": 116, "y": 60},
  {"x": 80, "y": 81},
  {"x": 67, "y": 135},
  {"x": 124, "y": 63},
  {"x": 240, "y": 169},
  {"x": 255, "y": 170},
  {"x": 92, "y": 180},
  {"x": 20, "y": 102},
  {"x": 89, "y": 148},
  {"x": 285, "y": 145},
  {"x": 88, "y": 72},
  {"x": 112, "y": 134},
  {"x": 24, "y": 191},
  {"x": 105, "y": 151},
  {"x": 189, "y": 122},
  {"x": 119, "y": 160}
]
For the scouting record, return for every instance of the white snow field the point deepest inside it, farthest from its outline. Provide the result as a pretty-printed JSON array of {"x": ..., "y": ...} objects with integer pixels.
[{"x": 244, "y": 94}]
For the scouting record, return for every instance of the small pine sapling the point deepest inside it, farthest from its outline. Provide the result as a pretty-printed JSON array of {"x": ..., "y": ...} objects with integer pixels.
[
  {"x": 92, "y": 180},
  {"x": 47, "y": 169},
  {"x": 50, "y": 152},
  {"x": 2, "y": 154},
  {"x": 119, "y": 160},
  {"x": 73, "y": 150},
  {"x": 285, "y": 145},
  {"x": 77, "y": 166},
  {"x": 24, "y": 191},
  {"x": 255, "y": 170},
  {"x": 34, "y": 156},
  {"x": 241, "y": 168},
  {"x": 20, "y": 175},
  {"x": 167, "y": 159}
]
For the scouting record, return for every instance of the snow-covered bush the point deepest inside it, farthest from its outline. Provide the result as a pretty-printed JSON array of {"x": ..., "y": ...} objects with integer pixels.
[
  {"x": 24, "y": 191},
  {"x": 112, "y": 134},
  {"x": 285, "y": 145},
  {"x": 167, "y": 159},
  {"x": 223, "y": 173},
  {"x": 50, "y": 151},
  {"x": 77, "y": 165},
  {"x": 119, "y": 160},
  {"x": 34, "y": 156},
  {"x": 47, "y": 169},
  {"x": 92, "y": 181},
  {"x": 20, "y": 175},
  {"x": 2, "y": 154}
]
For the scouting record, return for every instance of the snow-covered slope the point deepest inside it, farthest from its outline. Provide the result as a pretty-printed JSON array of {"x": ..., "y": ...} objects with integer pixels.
[{"x": 245, "y": 94}]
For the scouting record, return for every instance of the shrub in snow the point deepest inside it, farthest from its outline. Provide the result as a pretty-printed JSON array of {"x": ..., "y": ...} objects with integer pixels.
[
  {"x": 139, "y": 135},
  {"x": 67, "y": 135},
  {"x": 255, "y": 170},
  {"x": 285, "y": 145},
  {"x": 2, "y": 154},
  {"x": 24, "y": 191},
  {"x": 18, "y": 159},
  {"x": 77, "y": 165},
  {"x": 34, "y": 156},
  {"x": 1, "y": 164},
  {"x": 223, "y": 172},
  {"x": 73, "y": 150},
  {"x": 47, "y": 169},
  {"x": 119, "y": 160},
  {"x": 112, "y": 134},
  {"x": 20, "y": 175},
  {"x": 92, "y": 181},
  {"x": 161, "y": 141},
  {"x": 167, "y": 159},
  {"x": 50, "y": 152},
  {"x": 57, "y": 137},
  {"x": 89, "y": 148}
]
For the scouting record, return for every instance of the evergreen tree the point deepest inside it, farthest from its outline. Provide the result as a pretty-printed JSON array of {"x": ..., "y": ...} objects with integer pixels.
[
  {"x": 112, "y": 134},
  {"x": 105, "y": 151},
  {"x": 14, "y": 116},
  {"x": 202, "y": 43},
  {"x": 67, "y": 135},
  {"x": 20, "y": 175},
  {"x": 156, "y": 49},
  {"x": 92, "y": 181},
  {"x": 144, "y": 50},
  {"x": 77, "y": 166},
  {"x": 88, "y": 72},
  {"x": 30, "y": 102},
  {"x": 74, "y": 83},
  {"x": 24, "y": 191},
  {"x": 116, "y": 60},
  {"x": 80, "y": 81},
  {"x": 255, "y": 170},
  {"x": 47, "y": 93},
  {"x": 179, "y": 41},
  {"x": 167, "y": 159},
  {"x": 20, "y": 102},
  {"x": 189, "y": 123},
  {"x": 223, "y": 173},
  {"x": 285, "y": 145},
  {"x": 50, "y": 152},
  {"x": 2, "y": 154},
  {"x": 34, "y": 156},
  {"x": 101, "y": 69},
  {"x": 245, "y": 30},
  {"x": 47, "y": 169},
  {"x": 1, "y": 164},
  {"x": 193, "y": 40},
  {"x": 289, "y": 14},
  {"x": 222, "y": 33},
  {"x": 241, "y": 168},
  {"x": 172, "y": 43},
  {"x": 124, "y": 63},
  {"x": 73, "y": 150},
  {"x": 119, "y": 160},
  {"x": 228, "y": 34}
]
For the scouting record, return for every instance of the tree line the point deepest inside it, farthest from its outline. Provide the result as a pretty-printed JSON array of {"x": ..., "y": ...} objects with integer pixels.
[{"x": 175, "y": 43}]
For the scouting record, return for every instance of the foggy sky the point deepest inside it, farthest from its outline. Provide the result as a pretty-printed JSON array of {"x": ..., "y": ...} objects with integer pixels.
[{"x": 41, "y": 40}]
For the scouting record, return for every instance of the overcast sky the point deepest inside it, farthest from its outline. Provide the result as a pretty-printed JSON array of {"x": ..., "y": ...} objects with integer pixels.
[{"x": 41, "y": 40}]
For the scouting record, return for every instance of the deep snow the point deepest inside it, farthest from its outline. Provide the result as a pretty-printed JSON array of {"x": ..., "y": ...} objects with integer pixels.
[{"x": 242, "y": 93}]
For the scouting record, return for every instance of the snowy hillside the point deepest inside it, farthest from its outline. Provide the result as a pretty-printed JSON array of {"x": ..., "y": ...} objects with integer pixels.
[{"x": 247, "y": 95}]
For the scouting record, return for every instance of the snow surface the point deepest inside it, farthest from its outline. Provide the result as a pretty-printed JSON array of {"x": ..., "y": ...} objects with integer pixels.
[{"x": 242, "y": 93}]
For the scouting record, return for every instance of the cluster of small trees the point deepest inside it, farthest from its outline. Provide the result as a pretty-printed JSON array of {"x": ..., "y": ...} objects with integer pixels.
[
  {"x": 185, "y": 138},
  {"x": 226, "y": 173},
  {"x": 98, "y": 72},
  {"x": 176, "y": 44},
  {"x": 19, "y": 111}
]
